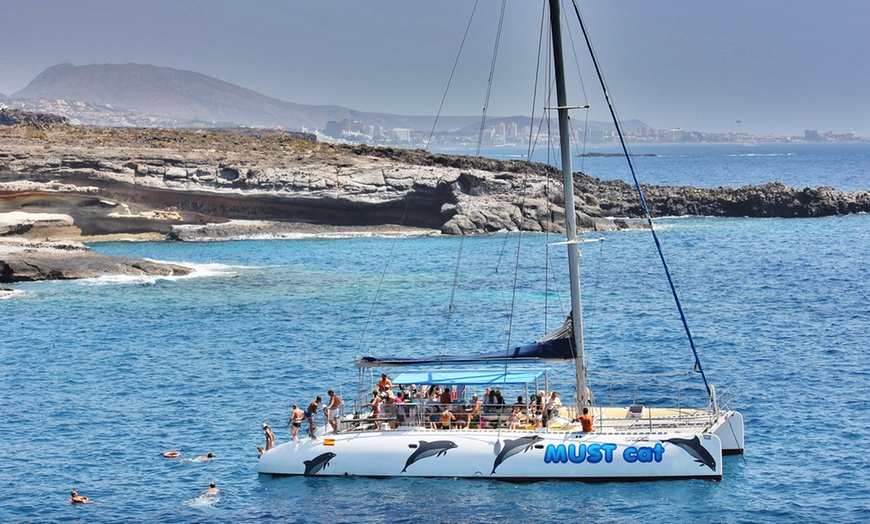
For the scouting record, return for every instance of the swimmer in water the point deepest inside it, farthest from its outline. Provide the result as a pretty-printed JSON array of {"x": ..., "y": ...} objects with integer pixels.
[
  {"x": 75, "y": 498},
  {"x": 203, "y": 458},
  {"x": 212, "y": 490}
]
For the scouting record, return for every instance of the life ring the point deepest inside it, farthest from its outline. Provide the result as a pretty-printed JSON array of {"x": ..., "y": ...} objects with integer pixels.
[{"x": 172, "y": 454}]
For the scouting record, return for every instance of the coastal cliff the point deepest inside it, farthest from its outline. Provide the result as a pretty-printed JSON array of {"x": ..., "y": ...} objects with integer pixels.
[{"x": 186, "y": 183}]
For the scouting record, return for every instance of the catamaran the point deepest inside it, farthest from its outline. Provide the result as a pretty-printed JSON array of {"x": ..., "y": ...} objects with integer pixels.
[{"x": 493, "y": 440}]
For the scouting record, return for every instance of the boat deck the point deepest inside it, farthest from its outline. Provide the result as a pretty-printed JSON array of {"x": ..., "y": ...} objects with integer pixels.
[{"x": 631, "y": 420}]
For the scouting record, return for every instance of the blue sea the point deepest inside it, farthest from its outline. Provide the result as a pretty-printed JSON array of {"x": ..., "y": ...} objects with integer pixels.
[{"x": 101, "y": 377}]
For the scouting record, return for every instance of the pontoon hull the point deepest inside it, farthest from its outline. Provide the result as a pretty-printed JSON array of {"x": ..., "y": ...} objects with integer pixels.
[{"x": 505, "y": 455}]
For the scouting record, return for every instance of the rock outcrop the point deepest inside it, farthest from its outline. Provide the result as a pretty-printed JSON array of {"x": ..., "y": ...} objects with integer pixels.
[
  {"x": 112, "y": 182},
  {"x": 24, "y": 261}
]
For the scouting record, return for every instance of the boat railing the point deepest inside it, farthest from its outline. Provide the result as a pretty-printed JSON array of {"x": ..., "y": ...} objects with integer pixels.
[{"x": 414, "y": 414}]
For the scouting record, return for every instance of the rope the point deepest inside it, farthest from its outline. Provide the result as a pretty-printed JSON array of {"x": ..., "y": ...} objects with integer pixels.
[
  {"x": 452, "y": 294},
  {"x": 450, "y": 79},
  {"x": 618, "y": 125},
  {"x": 491, "y": 74}
]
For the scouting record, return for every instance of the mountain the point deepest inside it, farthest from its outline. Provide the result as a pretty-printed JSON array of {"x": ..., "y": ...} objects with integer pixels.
[
  {"x": 189, "y": 97},
  {"x": 152, "y": 96}
]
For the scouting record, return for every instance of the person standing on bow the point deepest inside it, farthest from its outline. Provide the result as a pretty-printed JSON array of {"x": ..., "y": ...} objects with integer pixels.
[
  {"x": 270, "y": 437},
  {"x": 311, "y": 415},
  {"x": 332, "y": 410},
  {"x": 296, "y": 418}
]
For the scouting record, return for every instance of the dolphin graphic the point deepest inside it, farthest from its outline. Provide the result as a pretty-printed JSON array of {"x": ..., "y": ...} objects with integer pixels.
[
  {"x": 512, "y": 447},
  {"x": 317, "y": 463},
  {"x": 694, "y": 448},
  {"x": 429, "y": 449}
]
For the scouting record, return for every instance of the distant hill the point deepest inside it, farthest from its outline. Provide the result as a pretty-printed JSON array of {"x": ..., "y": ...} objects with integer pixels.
[
  {"x": 187, "y": 96},
  {"x": 147, "y": 95}
]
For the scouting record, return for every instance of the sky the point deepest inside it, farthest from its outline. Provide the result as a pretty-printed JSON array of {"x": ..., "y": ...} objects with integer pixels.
[{"x": 776, "y": 66}]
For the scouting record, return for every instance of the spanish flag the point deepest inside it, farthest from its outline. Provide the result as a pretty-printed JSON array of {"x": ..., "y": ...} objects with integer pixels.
[{"x": 329, "y": 442}]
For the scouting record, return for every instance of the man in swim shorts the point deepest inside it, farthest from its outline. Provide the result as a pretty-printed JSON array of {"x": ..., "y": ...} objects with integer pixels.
[
  {"x": 332, "y": 413},
  {"x": 311, "y": 415},
  {"x": 296, "y": 418}
]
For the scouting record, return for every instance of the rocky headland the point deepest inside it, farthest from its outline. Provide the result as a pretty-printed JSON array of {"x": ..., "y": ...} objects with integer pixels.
[{"x": 67, "y": 183}]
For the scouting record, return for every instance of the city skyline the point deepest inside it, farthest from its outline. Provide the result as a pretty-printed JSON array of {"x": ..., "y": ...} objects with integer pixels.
[{"x": 759, "y": 68}]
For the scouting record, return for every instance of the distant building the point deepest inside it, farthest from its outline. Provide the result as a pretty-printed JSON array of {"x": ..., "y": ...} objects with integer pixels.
[
  {"x": 812, "y": 135},
  {"x": 402, "y": 134},
  {"x": 334, "y": 129}
]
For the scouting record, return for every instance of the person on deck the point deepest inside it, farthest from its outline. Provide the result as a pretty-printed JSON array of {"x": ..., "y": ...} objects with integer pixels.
[
  {"x": 446, "y": 398},
  {"x": 537, "y": 407},
  {"x": 446, "y": 417},
  {"x": 311, "y": 415},
  {"x": 515, "y": 418},
  {"x": 377, "y": 407},
  {"x": 384, "y": 382},
  {"x": 296, "y": 418},
  {"x": 585, "y": 421},
  {"x": 434, "y": 415},
  {"x": 472, "y": 412},
  {"x": 332, "y": 410},
  {"x": 553, "y": 405},
  {"x": 270, "y": 437}
]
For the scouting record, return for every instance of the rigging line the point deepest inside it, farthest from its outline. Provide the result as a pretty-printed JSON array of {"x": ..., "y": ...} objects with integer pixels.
[
  {"x": 532, "y": 137},
  {"x": 618, "y": 126},
  {"x": 452, "y": 295},
  {"x": 383, "y": 276},
  {"x": 585, "y": 98},
  {"x": 452, "y": 72},
  {"x": 491, "y": 75},
  {"x": 590, "y": 324}
]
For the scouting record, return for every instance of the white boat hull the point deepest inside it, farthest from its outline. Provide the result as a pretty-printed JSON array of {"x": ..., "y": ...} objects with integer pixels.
[{"x": 504, "y": 455}]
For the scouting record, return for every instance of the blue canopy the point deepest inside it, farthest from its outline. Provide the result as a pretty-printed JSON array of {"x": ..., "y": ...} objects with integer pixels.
[{"x": 468, "y": 376}]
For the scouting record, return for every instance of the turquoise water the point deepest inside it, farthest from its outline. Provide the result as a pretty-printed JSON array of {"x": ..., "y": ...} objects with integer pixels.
[{"x": 100, "y": 377}]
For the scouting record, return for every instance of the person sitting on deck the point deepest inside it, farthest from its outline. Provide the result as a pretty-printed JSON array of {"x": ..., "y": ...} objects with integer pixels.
[
  {"x": 446, "y": 416},
  {"x": 434, "y": 416},
  {"x": 585, "y": 421},
  {"x": 491, "y": 401},
  {"x": 516, "y": 417},
  {"x": 472, "y": 412}
]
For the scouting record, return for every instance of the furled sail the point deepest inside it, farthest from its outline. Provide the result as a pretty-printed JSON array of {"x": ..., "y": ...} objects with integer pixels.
[{"x": 556, "y": 346}]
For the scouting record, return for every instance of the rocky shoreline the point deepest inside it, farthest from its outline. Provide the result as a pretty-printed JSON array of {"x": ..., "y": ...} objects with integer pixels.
[
  {"x": 27, "y": 261},
  {"x": 66, "y": 183}
]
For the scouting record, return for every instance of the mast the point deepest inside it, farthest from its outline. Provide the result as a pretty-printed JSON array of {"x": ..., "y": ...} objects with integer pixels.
[{"x": 570, "y": 212}]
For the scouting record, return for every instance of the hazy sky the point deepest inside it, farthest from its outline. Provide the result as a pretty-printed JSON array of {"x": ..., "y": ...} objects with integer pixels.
[{"x": 779, "y": 66}]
